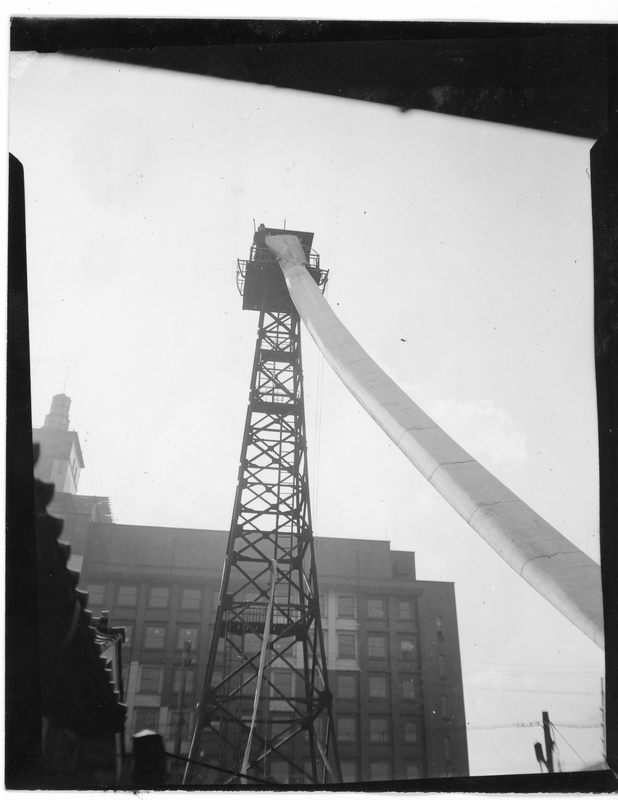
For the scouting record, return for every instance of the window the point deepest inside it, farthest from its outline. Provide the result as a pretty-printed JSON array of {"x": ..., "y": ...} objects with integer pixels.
[
  {"x": 346, "y": 606},
  {"x": 127, "y": 596},
  {"x": 154, "y": 637},
  {"x": 410, "y": 731},
  {"x": 187, "y": 724},
  {"x": 323, "y": 606},
  {"x": 280, "y": 771},
  {"x": 281, "y": 688},
  {"x": 412, "y": 771},
  {"x": 277, "y": 728},
  {"x": 279, "y": 645},
  {"x": 377, "y": 686},
  {"x": 346, "y": 729},
  {"x": 253, "y": 644},
  {"x": 191, "y": 599},
  {"x": 346, "y": 645},
  {"x": 319, "y": 727},
  {"x": 444, "y": 704},
  {"x": 447, "y": 749},
  {"x": 146, "y": 719},
  {"x": 380, "y": 770},
  {"x": 349, "y": 771},
  {"x": 408, "y": 689},
  {"x": 439, "y": 631},
  {"x": 346, "y": 687},
  {"x": 128, "y": 634},
  {"x": 150, "y": 680},
  {"x": 189, "y": 680},
  {"x": 379, "y": 729},
  {"x": 376, "y": 646},
  {"x": 248, "y": 686},
  {"x": 408, "y": 649},
  {"x": 282, "y": 683},
  {"x": 158, "y": 597},
  {"x": 405, "y": 609},
  {"x": 376, "y": 608},
  {"x": 95, "y": 594},
  {"x": 285, "y": 599},
  {"x": 186, "y": 635},
  {"x": 442, "y": 666}
]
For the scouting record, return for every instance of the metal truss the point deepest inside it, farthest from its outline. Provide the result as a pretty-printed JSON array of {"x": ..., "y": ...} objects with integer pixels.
[{"x": 266, "y": 709}]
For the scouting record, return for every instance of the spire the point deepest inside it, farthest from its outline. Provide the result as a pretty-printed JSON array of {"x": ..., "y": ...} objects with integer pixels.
[{"x": 58, "y": 416}]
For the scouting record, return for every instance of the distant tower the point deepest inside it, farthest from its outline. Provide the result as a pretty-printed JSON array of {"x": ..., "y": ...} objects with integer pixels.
[
  {"x": 58, "y": 416},
  {"x": 266, "y": 708},
  {"x": 61, "y": 460}
]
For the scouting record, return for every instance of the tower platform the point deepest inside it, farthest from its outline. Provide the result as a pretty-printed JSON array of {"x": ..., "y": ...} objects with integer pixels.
[{"x": 260, "y": 280}]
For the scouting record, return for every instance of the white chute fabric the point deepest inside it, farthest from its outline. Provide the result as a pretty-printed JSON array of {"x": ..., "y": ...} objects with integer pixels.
[{"x": 558, "y": 570}]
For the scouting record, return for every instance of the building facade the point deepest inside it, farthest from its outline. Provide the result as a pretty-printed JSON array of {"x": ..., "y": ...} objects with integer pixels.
[
  {"x": 392, "y": 646},
  {"x": 391, "y": 640}
]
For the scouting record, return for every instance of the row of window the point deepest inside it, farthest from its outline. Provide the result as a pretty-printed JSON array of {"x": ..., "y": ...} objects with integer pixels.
[
  {"x": 158, "y": 597},
  {"x": 377, "y": 646},
  {"x": 151, "y": 682},
  {"x": 378, "y": 771},
  {"x": 379, "y": 687},
  {"x": 376, "y": 607},
  {"x": 191, "y": 599},
  {"x": 150, "y": 679},
  {"x": 379, "y": 729},
  {"x": 155, "y": 636},
  {"x": 346, "y": 685}
]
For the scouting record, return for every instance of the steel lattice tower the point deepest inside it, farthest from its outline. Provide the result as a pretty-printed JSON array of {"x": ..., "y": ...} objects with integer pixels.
[{"x": 266, "y": 701}]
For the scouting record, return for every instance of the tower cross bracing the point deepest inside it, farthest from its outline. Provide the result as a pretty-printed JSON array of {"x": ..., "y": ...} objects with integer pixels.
[{"x": 266, "y": 708}]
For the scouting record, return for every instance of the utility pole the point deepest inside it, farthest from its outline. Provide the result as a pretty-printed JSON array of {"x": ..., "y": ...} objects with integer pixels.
[
  {"x": 603, "y": 735},
  {"x": 180, "y": 721},
  {"x": 548, "y": 757},
  {"x": 549, "y": 743}
]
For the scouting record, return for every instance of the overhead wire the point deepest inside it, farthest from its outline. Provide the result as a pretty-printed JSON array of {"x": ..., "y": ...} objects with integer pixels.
[
  {"x": 526, "y": 690},
  {"x": 523, "y": 665},
  {"x": 570, "y": 745},
  {"x": 502, "y": 727},
  {"x": 530, "y": 673},
  {"x": 569, "y": 725}
]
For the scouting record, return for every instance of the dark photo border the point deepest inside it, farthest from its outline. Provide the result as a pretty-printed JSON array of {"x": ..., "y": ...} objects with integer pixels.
[{"x": 553, "y": 77}]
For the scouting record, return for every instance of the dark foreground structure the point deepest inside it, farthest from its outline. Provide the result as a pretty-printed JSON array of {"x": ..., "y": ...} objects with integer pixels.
[{"x": 559, "y": 78}]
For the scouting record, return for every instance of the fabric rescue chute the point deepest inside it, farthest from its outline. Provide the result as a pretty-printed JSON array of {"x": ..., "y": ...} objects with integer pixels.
[{"x": 561, "y": 572}]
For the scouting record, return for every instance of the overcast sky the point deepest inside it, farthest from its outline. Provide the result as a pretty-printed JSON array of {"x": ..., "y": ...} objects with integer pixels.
[{"x": 460, "y": 255}]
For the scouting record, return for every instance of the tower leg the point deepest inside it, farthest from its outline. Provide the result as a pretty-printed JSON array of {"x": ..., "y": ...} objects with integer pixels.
[{"x": 266, "y": 690}]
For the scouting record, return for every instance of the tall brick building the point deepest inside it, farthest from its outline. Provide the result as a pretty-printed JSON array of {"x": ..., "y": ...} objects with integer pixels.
[{"x": 392, "y": 644}]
